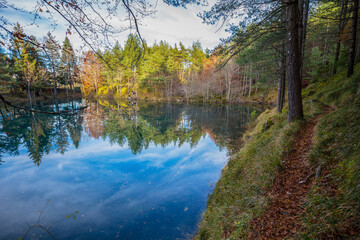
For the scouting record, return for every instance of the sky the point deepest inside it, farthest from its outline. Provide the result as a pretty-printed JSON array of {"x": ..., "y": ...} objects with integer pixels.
[{"x": 170, "y": 24}]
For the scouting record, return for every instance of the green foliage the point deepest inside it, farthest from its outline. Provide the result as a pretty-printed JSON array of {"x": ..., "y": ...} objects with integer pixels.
[
  {"x": 68, "y": 64},
  {"x": 159, "y": 70},
  {"x": 239, "y": 195}
]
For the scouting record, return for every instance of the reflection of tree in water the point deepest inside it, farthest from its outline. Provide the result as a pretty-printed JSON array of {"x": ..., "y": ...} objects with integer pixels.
[
  {"x": 137, "y": 124},
  {"x": 94, "y": 122},
  {"x": 39, "y": 133},
  {"x": 224, "y": 124},
  {"x": 165, "y": 123}
]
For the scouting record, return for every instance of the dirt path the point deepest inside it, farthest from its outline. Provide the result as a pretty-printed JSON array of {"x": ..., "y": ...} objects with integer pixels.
[{"x": 291, "y": 184}]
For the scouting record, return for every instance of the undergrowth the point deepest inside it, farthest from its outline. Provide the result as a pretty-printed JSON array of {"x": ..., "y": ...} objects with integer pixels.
[
  {"x": 332, "y": 207},
  {"x": 239, "y": 195}
]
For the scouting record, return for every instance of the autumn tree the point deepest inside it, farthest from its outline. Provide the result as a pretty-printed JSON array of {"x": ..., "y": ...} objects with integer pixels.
[{"x": 90, "y": 73}]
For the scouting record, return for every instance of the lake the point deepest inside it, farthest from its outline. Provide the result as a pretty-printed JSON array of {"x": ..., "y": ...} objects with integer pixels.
[{"x": 117, "y": 170}]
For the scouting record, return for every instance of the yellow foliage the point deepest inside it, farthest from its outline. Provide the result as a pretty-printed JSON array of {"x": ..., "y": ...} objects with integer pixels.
[{"x": 124, "y": 91}]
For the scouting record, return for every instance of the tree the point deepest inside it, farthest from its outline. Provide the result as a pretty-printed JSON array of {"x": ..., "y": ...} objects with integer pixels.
[
  {"x": 91, "y": 73},
  {"x": 132, "y": 55},
  {"x": 68, "y": 64},
  {"x": 26, "y": 60},
  {"x": 341, "y": 25},
  {"x": 7, "y": 71},
  {"x": 28, "y": 67},
  {"x": 53, "y": 58},
  {"x": 261, "y": 19},
  {"x": 353, "y": 38},
  {"x": 293, "y": 60}
]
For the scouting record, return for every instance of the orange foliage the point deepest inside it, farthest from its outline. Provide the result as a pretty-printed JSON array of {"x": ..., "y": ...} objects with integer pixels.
[
  {"x": 90, "y": 73},
  {"x": 209, "y": 66},
  {"x": 94, "y": 121}
]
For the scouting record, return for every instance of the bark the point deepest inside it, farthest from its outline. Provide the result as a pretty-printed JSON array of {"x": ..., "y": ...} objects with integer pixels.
[
  {"x": 29, "y": 93},
  {"x": 353, "y": 39},
  {"x": 340, "y": 29},
  {"x": 250, "y": 83},
  {"x": 244, "y": 81},
  {"x": 293, "y": 61},
  {"x": 73, "y": 86},
  {"x": 228, "y": 87},
  {"x": 54, "y": 83},
  {"x": 357, "y": 54},
  {"x": 117, "y": 87},
  {"x": 325, "y": 52},
  {"x": 304, "y": 20},
  {"x": 54, "y": 78},
  {"x": 67, "y": 86},
  {"x": 281, "y": 86},
  {"x": 300, "y": 24}
]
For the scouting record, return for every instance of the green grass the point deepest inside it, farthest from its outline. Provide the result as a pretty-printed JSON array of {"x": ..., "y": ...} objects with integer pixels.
[
  {"x": 333, "y": 206},
  {"x": 239, "y": 195}
]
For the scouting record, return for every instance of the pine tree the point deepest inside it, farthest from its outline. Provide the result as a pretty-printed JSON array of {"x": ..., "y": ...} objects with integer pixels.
[{"x": 67, "y": 64}]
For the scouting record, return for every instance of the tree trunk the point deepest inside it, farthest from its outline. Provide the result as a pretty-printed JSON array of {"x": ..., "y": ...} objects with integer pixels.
[
  {"x": 117, "y": 87},
  {"x": 293, "y": 61},
  {"x": 250, "y": 83},
  {"x": 29, "y": 93},
  {"x": 228, "y": 84},
  {"x": 357, "y": 54},
  {"x": 305, "y": 15},
  {"x": 326, "y": 45},
  {"x": 281, "y": 86},
  {"x": 54, "y": 82},
  {"x": 340, "y": 29},
  {"x": 300, "y": 24},
  {"x": 353, "y": 39},
  {"x": 244, "y": 82},
  {"x": 73, "y": 86},
  {"x": 67, "y": 85}
]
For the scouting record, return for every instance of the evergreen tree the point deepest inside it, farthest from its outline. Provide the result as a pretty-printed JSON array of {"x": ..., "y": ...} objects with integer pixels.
[
  {"x": 52, "y": 58},
  {"x": 68, "y": 65}
]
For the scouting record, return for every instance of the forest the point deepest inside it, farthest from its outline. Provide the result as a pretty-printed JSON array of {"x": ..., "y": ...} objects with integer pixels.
[
  {"x": 280, "y": 96},
  {"x": 183, "y": 72}
]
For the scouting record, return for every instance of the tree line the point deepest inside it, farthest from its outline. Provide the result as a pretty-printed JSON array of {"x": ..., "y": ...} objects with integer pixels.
[
  {"x": 297, "y": 40},
  {"x": 284, "y": 43},
  {"x": 37, "y": 65}
]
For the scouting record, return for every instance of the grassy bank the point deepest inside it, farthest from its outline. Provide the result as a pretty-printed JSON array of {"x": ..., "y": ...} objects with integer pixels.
[{"x": 332, "y": 206}]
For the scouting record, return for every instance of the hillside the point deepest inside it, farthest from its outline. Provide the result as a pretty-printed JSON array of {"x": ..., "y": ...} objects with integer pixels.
[{"x": 295, "y": 180}]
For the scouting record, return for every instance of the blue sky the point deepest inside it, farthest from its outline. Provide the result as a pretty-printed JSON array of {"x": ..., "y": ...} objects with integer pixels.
[{"x": 168, "y": 23}]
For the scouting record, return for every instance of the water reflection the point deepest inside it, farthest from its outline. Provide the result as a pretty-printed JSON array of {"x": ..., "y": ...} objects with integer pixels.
[
  {"x": 40, "y": 133},
  {"x": 137, "y": 124},
  {"x": 132, "y": 170}
]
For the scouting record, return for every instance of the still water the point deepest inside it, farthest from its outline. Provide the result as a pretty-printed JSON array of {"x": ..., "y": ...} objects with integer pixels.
[{"x": 115, "y": 171}]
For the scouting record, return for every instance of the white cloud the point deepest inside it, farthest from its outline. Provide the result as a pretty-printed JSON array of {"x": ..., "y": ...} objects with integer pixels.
[{"x": 170, "y": 24}]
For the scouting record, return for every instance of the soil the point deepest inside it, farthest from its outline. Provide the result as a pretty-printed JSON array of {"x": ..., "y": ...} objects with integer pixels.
[{"x": 282, "y": 217}]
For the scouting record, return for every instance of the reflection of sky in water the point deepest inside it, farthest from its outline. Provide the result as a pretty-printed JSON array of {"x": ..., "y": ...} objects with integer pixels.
[{"x": 157, "y": 194}]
